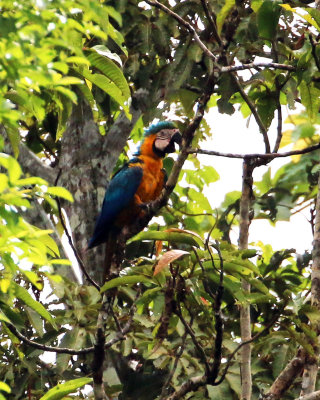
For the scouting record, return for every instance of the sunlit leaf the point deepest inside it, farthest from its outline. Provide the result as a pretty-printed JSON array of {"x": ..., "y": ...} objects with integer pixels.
[
  {"x": 26, "y": 298},
  {"x": 60, "y": 192},
  {"x": 228, "y": 5},
  {"x": 63, "y": 389},
  {"x": 125, "y": 280}
]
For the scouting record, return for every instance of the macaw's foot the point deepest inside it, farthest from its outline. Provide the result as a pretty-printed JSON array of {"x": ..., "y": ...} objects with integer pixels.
[{"x": 147, "y": 207}]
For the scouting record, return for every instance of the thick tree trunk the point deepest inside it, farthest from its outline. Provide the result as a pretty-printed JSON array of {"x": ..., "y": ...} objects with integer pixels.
[{"x": 86, "y": 163}]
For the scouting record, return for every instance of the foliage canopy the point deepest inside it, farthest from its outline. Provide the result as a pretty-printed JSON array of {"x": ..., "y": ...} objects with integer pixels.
[{"x": 173, "y": 311}]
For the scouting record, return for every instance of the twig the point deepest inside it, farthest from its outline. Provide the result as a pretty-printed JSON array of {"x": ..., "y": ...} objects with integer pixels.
[
  {"x": 64, "y": 350},
  {"x": 313, "y": 52},
  {"x": 197, "y": 345},
  {"x": 186, "y": 25},
  {"x": 311, "y": 396},
  {"x": 254, "y": 338},
  {"x": 211, "y": 21},
  {"x": 195, "y": 383},
  {"x": 255, "y": 113},
  {"x": 80, "y": 262},
  {"x": 218, "y": 324},
  {"x": 279, "y": 110},
  {"x": 172, "y": 210},
  {"x": 242, "y": 67},
  {"x": 175, "y": 364},
  {"x": 264, "y": 156}
]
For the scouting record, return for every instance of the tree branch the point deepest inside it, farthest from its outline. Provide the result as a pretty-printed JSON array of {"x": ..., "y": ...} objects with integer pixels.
[
  {"x": 254, "y": 338},
  {"x": 187, "y": 138},
  {"x": 279, "y": 109},
  {"x": 64, "y": 350},
  {"x": 186, "y": 25},
  {"x": 311, "y": 365},
  {"x": 218, "y": 324},
  {"x": 75, "y": 252},
  {"x": 190, "y": 386},
  {"x": 245, "y": 327},
  {"x": 99, "y": 351},
  {"x": 255, "y": 113},
  {"x": 194, "y": 384},
  {"x": 313, "y": 51},
  {"x": 263, "y": 156},
  {"x": 194, "y": 339},
  {"x": 286, "y": 377},
  {"x": 211, "y": 21},
  {"x": 174, "y": 367},
  {"x": 311, "y": 396},
  {"x": 242, "y": 67}
]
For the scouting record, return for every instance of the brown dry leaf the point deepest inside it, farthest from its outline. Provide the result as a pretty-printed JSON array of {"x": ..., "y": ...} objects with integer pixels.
[
  {"x": 159, "y": 245},
  {"x": 168, "y": 258}
]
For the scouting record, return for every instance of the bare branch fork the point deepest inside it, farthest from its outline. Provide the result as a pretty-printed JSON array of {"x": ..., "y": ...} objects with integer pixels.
[
  {"x": 226, "y": 69},
  {"x": 186, "y": 25}
]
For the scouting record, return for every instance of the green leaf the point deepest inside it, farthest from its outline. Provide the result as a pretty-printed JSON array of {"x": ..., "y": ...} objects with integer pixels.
[
  {"x": 26, "y": 298},
  {"x": 4, "y": 319},
  {"x": 107, "y": 86},
  {"x": 125, "y": 280},
  {"x": 69, "y": 80},
  {"x": 33, "y": 278},
  {"x": 4, "y": 387},
  {"x": 310, "y": 98},
  {"x": 60, "y": 192},
  {"x": 228, "y": 5},
  {"x": 111, "y": 71},
  {"x": 258, "y": 285},
  {"x": 12, "y": 166},
  {"x": 61, "y": 390},
  {"x": 173, "y": 237},
  {"x": 31, "y": 181},
  {"x": 104, "y": 51},
  {"x": 268, "y": 17}
]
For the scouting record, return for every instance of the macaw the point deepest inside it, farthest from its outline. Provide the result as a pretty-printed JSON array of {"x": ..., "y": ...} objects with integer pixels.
[{"x": 137, "y": 183}]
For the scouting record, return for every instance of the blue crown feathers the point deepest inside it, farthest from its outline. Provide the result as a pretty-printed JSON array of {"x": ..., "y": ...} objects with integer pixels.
[{"x": 159, "y": 126}]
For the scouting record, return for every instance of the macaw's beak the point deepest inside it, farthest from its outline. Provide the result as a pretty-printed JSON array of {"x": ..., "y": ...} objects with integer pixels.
[{"x": 175, "y": 138}]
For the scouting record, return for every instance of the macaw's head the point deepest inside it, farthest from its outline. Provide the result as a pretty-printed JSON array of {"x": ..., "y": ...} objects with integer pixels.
[{"x": 159, "y": 139}]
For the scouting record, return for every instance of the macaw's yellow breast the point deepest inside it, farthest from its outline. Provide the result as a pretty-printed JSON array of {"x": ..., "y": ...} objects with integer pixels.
[{"x": 152, "y": 179}]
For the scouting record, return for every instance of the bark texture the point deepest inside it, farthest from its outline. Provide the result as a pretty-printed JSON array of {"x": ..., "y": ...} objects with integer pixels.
[
  {"x": 311, "y": 366},
  {"x": 86, "y": 163},
  {"x": 245, "y": 219},
  {"x": 287, "y": 377}
]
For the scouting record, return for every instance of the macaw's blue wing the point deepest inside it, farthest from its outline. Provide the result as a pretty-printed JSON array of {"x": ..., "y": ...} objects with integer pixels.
[{"x": 119, "y": 194}]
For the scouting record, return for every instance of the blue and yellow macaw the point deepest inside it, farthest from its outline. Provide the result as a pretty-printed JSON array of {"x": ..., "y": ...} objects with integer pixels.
[{"x": 137, "y": 183}]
